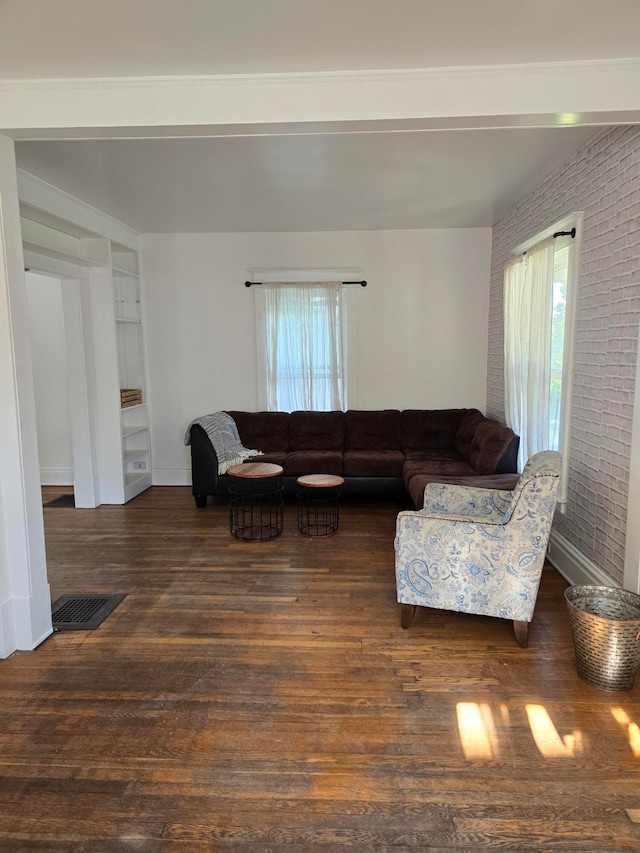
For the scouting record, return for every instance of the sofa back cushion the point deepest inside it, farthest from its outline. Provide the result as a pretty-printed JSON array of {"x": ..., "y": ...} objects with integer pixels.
[
  {"x": 423, "y": 429},
  {"x": 316, "y": 431},
  {"x": 471, "y": 419},
  {"x": 298, "y": 463},
  {"x": 265, "y": 431},
  {"x": 378, "y": 430},
  {"x": 490, "y": 440}
]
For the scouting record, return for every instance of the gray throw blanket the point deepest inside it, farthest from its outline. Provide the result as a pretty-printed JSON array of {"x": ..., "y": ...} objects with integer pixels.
[{"x": 223, "y": 434}]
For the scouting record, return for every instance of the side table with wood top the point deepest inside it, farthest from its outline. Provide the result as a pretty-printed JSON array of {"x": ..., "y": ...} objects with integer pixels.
[
  {"x": 318, "y": 504},
  {"x": 255, "y": 501}
]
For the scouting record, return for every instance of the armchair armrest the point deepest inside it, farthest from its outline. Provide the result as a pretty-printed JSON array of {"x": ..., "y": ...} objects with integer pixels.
[
  {"x": 471, "y": 522},
  {"x": 444, "y": 500}
]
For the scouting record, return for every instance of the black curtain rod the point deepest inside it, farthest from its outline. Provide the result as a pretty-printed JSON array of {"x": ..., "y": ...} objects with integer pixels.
[
  {"x": 254, "y": 283},
  {"x": 571, "y": 234}
]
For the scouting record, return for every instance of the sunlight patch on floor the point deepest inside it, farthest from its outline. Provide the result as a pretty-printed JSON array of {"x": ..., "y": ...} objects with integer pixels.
[
  {"x": 547, "y": 738},
  {"x": 632, "y": 729},
  {"x": 478, "y": 736}
]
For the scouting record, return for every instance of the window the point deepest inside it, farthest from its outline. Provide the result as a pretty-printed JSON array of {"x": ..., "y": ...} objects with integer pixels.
[
  {"x": 558, "y": 343},
  {"x": 539, "y": 291},
  {"x": 305, "y": 352}
]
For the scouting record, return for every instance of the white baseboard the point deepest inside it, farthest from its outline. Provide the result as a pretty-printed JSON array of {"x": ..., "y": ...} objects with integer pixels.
[
  {"x": 32, "y": 617},
  {"x": 56, "y": 476},
  {"x": 19, "y": 616},
  {"x": 574, "y": 566},
  {"x": 171, "y": 476}
]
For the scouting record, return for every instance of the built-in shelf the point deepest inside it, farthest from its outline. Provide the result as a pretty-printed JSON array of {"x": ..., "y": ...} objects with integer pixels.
[
  {"x": 136, "y": 457},
  {"x": 136, "y": 453},
  {"x": 133, "y": 429},
  {"x": 124, "y": 259},
  {"x": 127, "y": 296}
]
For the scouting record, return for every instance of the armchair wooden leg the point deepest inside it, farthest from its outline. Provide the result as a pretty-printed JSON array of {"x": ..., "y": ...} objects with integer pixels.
[
  {"x": 521, "y": 630},
  {"x": 407, "y": 612}
]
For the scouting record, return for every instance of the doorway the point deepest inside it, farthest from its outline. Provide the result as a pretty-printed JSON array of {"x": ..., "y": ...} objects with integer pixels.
[
  {"x": 57, "y": 315},
  {"x": 51, "y": 384}
]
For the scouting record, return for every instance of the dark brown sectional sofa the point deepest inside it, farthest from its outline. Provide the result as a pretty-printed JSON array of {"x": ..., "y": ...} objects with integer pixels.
[{"x": 385, "y": 452}]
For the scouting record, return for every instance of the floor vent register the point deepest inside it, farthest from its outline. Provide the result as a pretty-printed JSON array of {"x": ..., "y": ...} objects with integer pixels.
[{"x": 82, "y": 612}]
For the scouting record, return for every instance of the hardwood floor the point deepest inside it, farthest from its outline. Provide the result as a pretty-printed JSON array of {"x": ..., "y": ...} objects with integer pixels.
[{"x": 264, "y": 697}]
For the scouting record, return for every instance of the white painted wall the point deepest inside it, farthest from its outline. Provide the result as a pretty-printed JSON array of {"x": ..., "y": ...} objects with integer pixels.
[
  {"x": 422, "y": 321},
  {"x": 49, "y": 359}
]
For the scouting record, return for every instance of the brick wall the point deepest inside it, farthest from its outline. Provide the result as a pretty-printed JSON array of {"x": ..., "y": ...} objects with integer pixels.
[{"x": 603, "y": 180}]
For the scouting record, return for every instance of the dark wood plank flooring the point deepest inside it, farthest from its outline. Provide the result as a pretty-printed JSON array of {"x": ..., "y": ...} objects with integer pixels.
[{"x": 263, "y": 697}]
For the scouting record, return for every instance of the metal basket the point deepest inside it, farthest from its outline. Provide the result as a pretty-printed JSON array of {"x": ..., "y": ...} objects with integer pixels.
[{"x": 605, "y": 624}]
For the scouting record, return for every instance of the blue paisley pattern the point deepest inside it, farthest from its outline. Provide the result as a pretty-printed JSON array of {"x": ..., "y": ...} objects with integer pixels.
[{"x": 479, "y": 550}]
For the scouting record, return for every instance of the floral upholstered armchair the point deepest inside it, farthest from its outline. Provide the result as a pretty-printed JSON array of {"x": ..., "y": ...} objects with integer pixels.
[{"x": 479, "y": 550}]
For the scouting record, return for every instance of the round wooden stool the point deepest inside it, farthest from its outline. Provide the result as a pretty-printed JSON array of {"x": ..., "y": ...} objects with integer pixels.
[
  {"x": 318, "y": 504},
  {"x": 255, "y": 501}
]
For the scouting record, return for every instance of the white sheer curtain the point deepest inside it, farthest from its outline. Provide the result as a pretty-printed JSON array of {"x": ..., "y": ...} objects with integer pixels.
[
  {"x": 528, "y": 310},
  {"x": 305, "y": 346}
]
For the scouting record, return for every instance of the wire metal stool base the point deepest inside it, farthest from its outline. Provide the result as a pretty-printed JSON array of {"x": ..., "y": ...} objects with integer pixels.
[
  {"x": 318, "y": 511},
  {"x": 254, "y": 515}
]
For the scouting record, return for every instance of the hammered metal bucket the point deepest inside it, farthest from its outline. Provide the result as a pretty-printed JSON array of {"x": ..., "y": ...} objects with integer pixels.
[{"x": 605, "y": 624}]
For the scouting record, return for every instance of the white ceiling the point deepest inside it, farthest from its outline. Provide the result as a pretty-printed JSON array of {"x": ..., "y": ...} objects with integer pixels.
[
  {"x": 96, "y": 38},
  {"x": 431, "y": 179},
  {"x": 310, "y": 181}
]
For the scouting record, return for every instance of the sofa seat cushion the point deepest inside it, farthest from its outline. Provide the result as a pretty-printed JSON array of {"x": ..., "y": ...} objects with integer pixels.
[
  {"x": 299, "y": 462},
  {"x": 372, "y": 430},
  {"x": 436, "y": 462},
  {"x": 373, "y": 463},
  {"x": 265, "y": 431},
  {"x": 416, "y": 484},
  {"x": 316, "y": 431}
]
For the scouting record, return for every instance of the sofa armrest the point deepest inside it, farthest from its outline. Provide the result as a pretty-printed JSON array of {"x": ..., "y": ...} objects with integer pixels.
[
  {"x": 508, "y": 462},
  {"x": 446, "y": 499},
  {"x": 494, "y": 448},
  {"x": 204, "y": 464}
]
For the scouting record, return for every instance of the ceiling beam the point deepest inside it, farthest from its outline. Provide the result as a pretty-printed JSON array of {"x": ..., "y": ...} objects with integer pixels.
[{"x": 537, "y": 95}]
